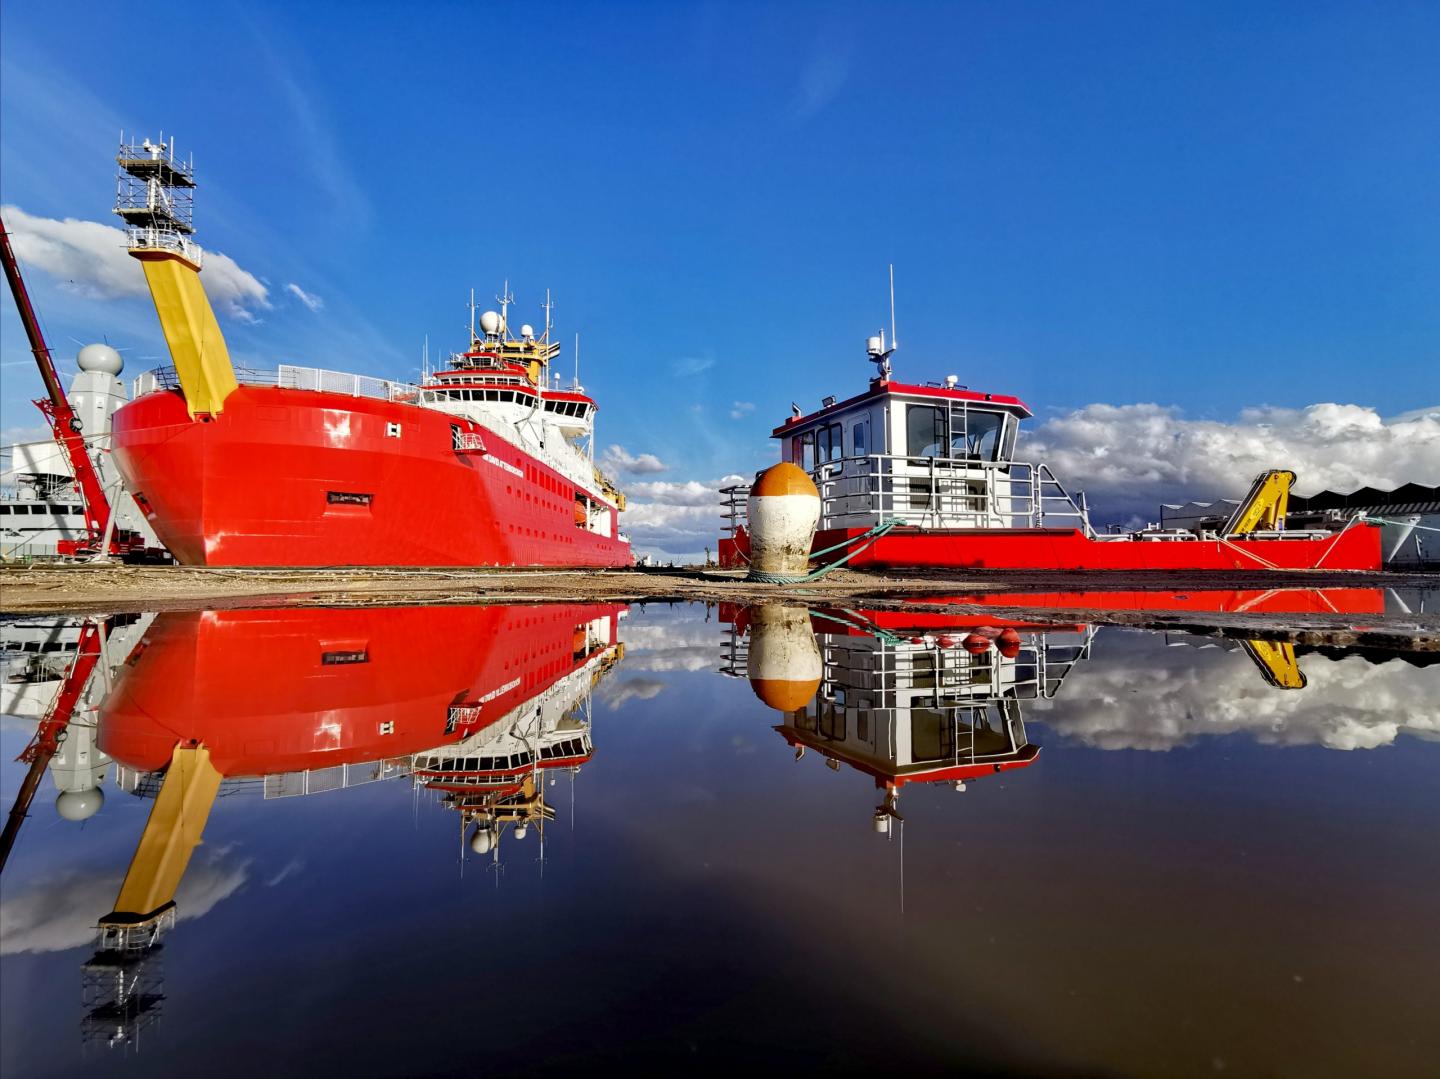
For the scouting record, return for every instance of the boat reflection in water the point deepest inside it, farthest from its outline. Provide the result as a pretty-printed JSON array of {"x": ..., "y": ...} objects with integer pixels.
[
  {"x": 921, "y": 698},
  {"x": 475, "y": 702},
  {"x": 915, "y": 696}
]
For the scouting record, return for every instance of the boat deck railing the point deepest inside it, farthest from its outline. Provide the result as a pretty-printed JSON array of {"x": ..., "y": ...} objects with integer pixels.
[
  {"x": 291, "y": 377},
  {"x": 935, "y": 493}
]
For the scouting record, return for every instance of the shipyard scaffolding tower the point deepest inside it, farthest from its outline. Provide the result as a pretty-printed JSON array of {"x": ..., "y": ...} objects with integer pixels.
[{"x": 155, "y": 197}]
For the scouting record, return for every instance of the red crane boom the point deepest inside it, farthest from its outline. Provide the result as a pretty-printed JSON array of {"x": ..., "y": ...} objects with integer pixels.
[{"x": 63, "y": 422}]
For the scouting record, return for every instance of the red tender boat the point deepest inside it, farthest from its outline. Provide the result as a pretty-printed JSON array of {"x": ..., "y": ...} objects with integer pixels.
[{"x": 926, "y": 476}]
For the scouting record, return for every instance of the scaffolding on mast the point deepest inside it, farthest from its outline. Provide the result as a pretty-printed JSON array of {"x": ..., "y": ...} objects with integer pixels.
[{"x": 155, "y": 197}]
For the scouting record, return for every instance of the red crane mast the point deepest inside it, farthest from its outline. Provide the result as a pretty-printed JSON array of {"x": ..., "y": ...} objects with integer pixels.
[{"x": 63, "y": 422}]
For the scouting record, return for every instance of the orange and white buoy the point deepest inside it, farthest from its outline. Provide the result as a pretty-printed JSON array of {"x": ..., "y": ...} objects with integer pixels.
[
  {"x": 784, "y": 662},
  {"x": 782, "y": 512}
]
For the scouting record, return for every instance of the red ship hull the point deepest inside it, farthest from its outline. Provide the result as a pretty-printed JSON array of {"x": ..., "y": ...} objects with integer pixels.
[
  {"x": 1356, "y": 548},
  {"x": 305, "y": 478},
  {"x": 287, "y": 690}
]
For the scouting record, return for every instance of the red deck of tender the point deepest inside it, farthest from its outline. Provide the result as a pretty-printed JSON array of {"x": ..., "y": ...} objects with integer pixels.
[{"x": 1356, "y": 548}]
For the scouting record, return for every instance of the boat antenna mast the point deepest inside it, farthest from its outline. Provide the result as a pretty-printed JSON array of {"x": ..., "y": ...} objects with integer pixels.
[
  {"x": 505, "y": 299},
  {"x": 878, "y": 351},
  {"x": 549, "y": 322}
]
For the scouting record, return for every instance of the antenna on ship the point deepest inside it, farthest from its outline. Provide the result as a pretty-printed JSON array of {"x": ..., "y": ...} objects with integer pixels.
[
  {"x": 577, "y": 362},
  {"x": 548, "y": 307},
  {"x": 894, "y": 337},
  {"x": 505, "y": 300},
  {"x": 875, "y": 346},
  {"x": 472, "y": 318}
]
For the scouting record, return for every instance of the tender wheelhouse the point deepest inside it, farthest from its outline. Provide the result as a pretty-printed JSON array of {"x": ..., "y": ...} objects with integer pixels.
[{"x": 935, "y": 456}]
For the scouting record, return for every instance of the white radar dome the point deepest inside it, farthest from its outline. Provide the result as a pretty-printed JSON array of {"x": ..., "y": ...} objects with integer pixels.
[
  {"x": 79, "y": 805},
  {"x": 520, "y": 830},
  {"x": 482, "y": 841},
  {"x": 490, "y": 322},
  {"x": 100, "y": 358},
  {"x": 527, "y": 331}
]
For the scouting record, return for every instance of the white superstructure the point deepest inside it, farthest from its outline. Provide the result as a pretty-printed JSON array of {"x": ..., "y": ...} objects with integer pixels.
[{"x": 39, "y": 502}]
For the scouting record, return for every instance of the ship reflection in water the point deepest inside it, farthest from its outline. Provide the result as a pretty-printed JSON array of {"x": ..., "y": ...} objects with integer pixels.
[
  {"x": 312, "y": 793},
  {"x": 931, "y": 700}
]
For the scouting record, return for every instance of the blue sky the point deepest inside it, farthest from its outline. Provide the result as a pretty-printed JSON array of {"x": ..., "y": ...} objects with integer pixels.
[{"x": 1209, "y": 206}]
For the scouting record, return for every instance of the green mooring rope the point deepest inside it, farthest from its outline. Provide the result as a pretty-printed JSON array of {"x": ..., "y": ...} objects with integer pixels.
[{"x": 869, "y": 538}]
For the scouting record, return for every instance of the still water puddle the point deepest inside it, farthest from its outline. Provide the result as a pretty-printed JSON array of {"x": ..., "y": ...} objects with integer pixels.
[{"x": 457, "y": 840}]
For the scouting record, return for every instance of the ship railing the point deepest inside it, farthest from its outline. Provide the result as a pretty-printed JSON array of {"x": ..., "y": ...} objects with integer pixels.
[
  {"x": 149, "y": 237},
  {"x": 292, "y": 377},
  {"x": 932, "y": 492}
]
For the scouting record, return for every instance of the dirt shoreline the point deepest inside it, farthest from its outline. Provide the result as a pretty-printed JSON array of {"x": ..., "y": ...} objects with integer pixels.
[{"x": 112, "y": 589}]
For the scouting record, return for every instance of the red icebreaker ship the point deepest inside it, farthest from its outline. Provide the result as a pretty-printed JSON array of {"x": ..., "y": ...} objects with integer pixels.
[{"x": 487, "y": 463}]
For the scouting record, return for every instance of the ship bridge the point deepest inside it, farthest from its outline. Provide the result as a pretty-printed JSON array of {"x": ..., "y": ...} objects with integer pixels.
[{"x": 935, "y": 456}]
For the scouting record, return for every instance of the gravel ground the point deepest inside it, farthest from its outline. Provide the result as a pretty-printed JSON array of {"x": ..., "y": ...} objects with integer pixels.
[{"x": 90, "y": 589}]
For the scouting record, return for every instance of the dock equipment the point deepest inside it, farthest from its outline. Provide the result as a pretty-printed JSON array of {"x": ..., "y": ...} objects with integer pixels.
[
  {"x": 64, "y": 424},
  {"x": 51, "y": 732}
]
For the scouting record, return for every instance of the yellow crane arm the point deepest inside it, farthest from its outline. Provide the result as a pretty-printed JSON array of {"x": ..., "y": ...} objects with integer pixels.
[
  {"x": 1277, "y": 663},
  {"x": 1264, "y": 507}
]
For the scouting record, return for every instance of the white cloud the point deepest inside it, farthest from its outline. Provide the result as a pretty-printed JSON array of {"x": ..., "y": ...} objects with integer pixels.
[
  {"x": 90, "y": 258},
  {"x": 1349, "y": 703},
  {"x": 617, "y": 459},
  {"x": 672, "y": 645},
  {"x": 688, "y": 493},
  {"x": 18, "y": 436},
  {"x": 59, "y": 913},
  {"x": 1130, "y": 458},
  {"x": 679, "y": 518},
  {"x": 309, "y": 299},
  {"x": 692, "y": 365},
  {"x": 617, "y": 694},
  {"x": 740, "y": 409}
]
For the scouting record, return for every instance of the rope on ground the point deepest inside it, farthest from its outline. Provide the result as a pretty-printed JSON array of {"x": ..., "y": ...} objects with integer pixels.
[{"x": 870, "y": 537}]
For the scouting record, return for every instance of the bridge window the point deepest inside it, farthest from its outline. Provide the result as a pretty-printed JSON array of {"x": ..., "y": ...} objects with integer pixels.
[
  {"x": 828, "y": 444},
  {"x": 924, "y": 431},
  {"x": 858, "y": 434},
  {"x": 803, "y": 451},
  {"x": 976, "y": 434}
]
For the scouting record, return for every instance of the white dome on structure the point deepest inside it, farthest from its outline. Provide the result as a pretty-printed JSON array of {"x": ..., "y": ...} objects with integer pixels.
[
  {"x": 490, "y": 322},
  {"x": 79, "y": 805},
  {"x": 101, "y": 358}
]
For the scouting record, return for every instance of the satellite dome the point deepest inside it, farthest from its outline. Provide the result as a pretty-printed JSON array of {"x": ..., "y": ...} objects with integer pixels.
[
  {"x": 520, "y": 830},
  {"x": 490, "y": 322},
  {"x": 80, "y": 805},
  {"x": 100, "y": 358},
  {"x": 527, "y": 331},
  {"x": 482, "y": 841}
]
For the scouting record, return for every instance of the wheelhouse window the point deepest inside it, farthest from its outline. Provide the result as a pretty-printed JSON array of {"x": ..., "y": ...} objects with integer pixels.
[
  {"x": 802, "y": 451},
  {"x": 859, "y": 438},
  {"x": 957, "y": 432},
  {"x": 924, "y": 431},
  {"x": 979, "y": 437}
]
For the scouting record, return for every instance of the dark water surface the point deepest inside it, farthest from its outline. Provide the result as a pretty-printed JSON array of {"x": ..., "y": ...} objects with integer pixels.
[{"x": 1200, "y": 871}]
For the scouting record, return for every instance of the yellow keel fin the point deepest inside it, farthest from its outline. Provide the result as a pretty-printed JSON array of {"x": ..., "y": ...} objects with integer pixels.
[
  {"x": 197, "y": 347},
  {"x": 176, "y": 822}
]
